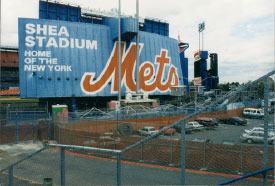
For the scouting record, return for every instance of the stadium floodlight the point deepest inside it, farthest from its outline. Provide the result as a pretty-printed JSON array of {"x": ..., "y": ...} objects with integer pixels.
[
  {"x": 201, "y": 29},
  {"x": 201, "y": 26}
]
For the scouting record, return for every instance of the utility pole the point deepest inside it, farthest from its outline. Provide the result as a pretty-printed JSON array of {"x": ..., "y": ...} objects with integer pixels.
[
  {"x": 137, "y": 48},
  {"x": 119, "y": 53}
]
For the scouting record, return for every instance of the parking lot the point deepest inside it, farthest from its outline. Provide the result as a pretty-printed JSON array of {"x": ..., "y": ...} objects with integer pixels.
[{"x": 224, "y": 133}]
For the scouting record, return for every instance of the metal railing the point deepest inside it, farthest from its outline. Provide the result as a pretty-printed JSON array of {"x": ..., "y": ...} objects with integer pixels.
[
  {"x": 78, "y": 165},
  {"x": 260, "y": 174}
]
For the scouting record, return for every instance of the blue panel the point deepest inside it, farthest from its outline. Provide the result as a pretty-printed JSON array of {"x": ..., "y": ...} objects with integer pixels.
[
  {"x": 156, "y": 31},
  {"x": 52, "y": 7},
  {"x": 97, "y": 21},
  {"x": 63, "y": 67},
  {"x": 162, "y": 32},
  {"x": 74, "y": 61},
  {"x": 43, "y": 14},
  {"x": 74, "y": 19},
  {"x": 148, "y": 26},
  {"x": 204, "y": 54},
  {"x": 113, "y": 24},
  {"x": 167, "y": 29},
  {"x": 162, "y": 26},
  {"x": 184, "y": 68},
  {"x": 63, "y": 9},
  {"x": 86, "y": 20},
  {"x": 204, "y": 72},
  {"x": 52, "y": 15},
  {"x": 63, "y": 17},
  {"x": 74, "y": 11},
  {"x": 57, "y": 11},
  {"x": 129, "y": 25},
  {"x": 156, "y": 25}
]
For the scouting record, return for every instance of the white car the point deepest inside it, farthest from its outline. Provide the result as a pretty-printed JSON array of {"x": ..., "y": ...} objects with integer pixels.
[
  {"x": 147, "y": 131},
  {"x": 256, "y": 137},
  {"x": 259, "y": 129},
  {"x": 253, "y": 113},
  {"x": 195, "y": 125}
]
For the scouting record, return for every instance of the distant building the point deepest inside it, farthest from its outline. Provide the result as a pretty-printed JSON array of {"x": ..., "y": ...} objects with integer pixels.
[{"x": 9, "y": 76}]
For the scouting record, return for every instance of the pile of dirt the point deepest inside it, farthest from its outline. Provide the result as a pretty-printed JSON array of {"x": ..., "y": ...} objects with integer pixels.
[{"x": 11, "y": 153}]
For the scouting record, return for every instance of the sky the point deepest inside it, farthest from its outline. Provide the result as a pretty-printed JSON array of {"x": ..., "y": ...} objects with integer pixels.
[{"x": 240, "y": 31}]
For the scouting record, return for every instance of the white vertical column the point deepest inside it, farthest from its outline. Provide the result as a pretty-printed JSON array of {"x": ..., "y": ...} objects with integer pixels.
[
  {"x": 137, "y": 48},
  {"x": 119, "y": 52}
]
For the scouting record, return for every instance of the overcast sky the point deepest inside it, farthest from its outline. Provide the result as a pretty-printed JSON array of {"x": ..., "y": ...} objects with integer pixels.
[{"x": 240, "y": 31}]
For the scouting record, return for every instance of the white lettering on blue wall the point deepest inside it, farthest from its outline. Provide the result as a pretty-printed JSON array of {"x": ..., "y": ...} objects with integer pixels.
[{"x": 53, "y": 36}]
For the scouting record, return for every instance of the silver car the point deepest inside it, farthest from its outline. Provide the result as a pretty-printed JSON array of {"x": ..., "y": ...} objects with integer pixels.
[
  {"x": 259, "y": 129},
  {"x": 256, "y": 137},
  {"x": 147, "y": 131},
  {"x": 195, "y": 125}
]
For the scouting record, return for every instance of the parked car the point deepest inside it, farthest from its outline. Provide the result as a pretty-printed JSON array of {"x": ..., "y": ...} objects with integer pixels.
[
  {"x": 253, "y": 113},
  {"x": 195, "y": 125},
  {"x": 258, "y": 129},
  {"x": 168, "y": 131},
  {"x": 256, "y": 137},
  {"x": 147, "y": 131},
  {"x": 188, "y": 129},
  {"x": 234, "y": 121},
  {"x": 209, "y": 123}
]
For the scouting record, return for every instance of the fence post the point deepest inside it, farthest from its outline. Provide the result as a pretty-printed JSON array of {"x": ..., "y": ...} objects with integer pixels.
[
  {"x": 49, "y": 128},
  {"x": 171, "y": 149},
  {"x": 11, "y": 176},
  {"x": 71, "y": 133},
  {"x": 16, "y": 127},
  {"x": 204, "y": 154},
  {"x": 62, "y": 165},
  {"x": 89, "y": 132},
  {"x": 241, "y": 159},
  {"x": 265, "y": 127},
  {"x": 141, "y": 152},
  {"x": 183, "y": 152},
  {"x": 118, "y": 169}
]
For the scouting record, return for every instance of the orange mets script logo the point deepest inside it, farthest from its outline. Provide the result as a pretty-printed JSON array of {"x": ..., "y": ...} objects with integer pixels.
[{"x": 150, "y": 79}]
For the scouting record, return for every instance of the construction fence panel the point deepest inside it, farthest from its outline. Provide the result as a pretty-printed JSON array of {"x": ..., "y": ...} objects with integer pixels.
[
  {"x": 155, "y": 162},
  {"x": 24, "y": 129},
  {"x": 33, "y": 170}
]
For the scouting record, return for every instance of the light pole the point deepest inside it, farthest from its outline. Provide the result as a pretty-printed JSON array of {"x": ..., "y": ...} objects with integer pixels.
[
  {"x": 137, "y": 48},
  {"x": 201, "y": 29},
  {"x": 119, "y": 53}
]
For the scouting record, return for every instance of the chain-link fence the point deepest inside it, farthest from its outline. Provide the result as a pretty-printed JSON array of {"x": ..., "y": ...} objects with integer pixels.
[
  {"x": 78, "y": 165},
  {"x": 25, "y": 126}
]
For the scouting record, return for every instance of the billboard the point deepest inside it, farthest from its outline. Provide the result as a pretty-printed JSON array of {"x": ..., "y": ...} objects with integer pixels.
[{"x": 69, "y": 59}]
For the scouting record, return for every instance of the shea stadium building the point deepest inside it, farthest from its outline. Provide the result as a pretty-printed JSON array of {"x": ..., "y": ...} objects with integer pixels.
[{"x": 70, "y": 55}]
